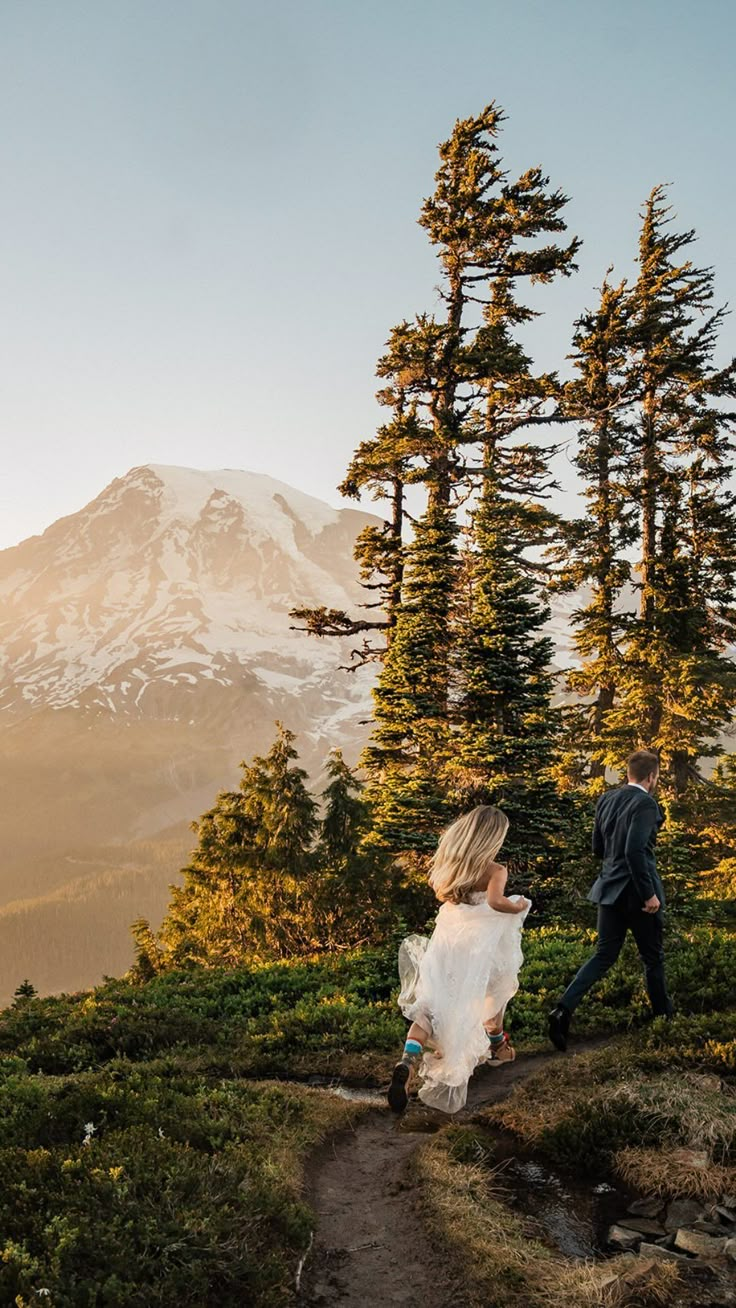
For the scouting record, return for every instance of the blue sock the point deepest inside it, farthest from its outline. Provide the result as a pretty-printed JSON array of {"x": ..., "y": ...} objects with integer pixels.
[
  {"x": 412, "y": 1051},
  {"x": 495, "y": 1039}
]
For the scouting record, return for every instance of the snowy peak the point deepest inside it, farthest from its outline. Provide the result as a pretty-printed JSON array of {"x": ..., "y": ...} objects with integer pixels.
[{"x": 174, "y": 576}]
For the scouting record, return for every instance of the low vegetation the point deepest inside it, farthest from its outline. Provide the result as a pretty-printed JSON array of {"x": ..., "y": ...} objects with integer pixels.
[
  {"x": 501, "y": 1256},
  {"x": 144, "y": 1185},
  {"x": 139, "y": 1163}
]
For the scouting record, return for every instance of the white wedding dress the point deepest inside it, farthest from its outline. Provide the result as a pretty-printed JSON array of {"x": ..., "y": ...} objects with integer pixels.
[{"x": 454, "y": 982}]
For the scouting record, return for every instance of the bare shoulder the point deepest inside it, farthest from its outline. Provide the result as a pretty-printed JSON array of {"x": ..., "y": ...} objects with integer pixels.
[{"x": 498, "y": 875}]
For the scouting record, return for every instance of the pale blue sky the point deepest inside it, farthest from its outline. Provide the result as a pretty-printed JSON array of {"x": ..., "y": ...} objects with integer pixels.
[{"x": 208, "y": 221}]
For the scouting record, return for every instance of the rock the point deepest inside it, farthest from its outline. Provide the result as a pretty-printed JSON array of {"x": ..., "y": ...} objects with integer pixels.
[
  {"x": 628, "y": 1279},
  {"x": 681, "y": 1212},
  {"x": 651, "y": 1207},
  {"x": 645, "y": 1225},
  {"x": 662, "y": 1252},
  {"x": 730, "y": 1250},
  {"x": 622, "y": 1237},
  {"x": 726, "y": 1214},
  {"x": 708, "y": 1228},
  {"x": 697, "y": 1242},
  {"x": 728, "y": 1200}
]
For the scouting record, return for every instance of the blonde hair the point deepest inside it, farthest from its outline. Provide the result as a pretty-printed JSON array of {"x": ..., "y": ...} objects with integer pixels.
[{"x": 465, "y": 847}]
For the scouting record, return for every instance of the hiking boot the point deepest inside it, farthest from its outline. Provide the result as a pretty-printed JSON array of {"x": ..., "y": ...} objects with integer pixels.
[
  {"x": 559, "y": 1026},
  {"x": 397, "y": 1095}
]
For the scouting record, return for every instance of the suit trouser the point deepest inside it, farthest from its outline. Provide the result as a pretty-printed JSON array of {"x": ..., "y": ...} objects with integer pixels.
[{"x": 614, "y": 920}]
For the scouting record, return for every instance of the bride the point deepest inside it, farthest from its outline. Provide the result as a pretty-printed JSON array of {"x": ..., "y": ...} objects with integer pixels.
[{"x": 456, "y": 985}]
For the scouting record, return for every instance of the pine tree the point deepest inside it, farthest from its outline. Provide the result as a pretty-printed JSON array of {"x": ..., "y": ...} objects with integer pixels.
[
  {"x": 344, "y": 819},
  {"x": 409, "y": 739},
  {"x": 595, "y": 548},
  {"x": 147, "y": 951},
  {"x": 380, "y": 467},
  {"x": 503, "y": 741},
  {"x": 678, "y": 686},
  {"x": 243, "y": 889},
  {"x": 472, "y": 386},
  {"x": 24, "y": 992}
]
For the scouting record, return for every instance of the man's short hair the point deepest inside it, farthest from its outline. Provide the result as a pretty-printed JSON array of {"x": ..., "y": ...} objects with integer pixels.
[{"x": 642, "y": 764}]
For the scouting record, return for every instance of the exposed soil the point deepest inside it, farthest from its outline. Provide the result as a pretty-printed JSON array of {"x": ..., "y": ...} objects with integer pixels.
[{"x": 370, "y": 1246}]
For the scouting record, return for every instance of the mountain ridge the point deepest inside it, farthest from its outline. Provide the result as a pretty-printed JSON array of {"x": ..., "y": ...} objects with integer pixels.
[{"x": 145, "y": 649}]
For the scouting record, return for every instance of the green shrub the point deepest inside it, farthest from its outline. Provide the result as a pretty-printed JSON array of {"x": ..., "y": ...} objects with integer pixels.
[{"x": 140, "y": 1185}]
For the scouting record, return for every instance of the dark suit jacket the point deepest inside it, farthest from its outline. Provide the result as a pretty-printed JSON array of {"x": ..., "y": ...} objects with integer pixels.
[{"x": 626, "y": 823}]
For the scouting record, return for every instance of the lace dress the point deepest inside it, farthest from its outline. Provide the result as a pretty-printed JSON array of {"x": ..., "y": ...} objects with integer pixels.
[{"x": 454, "y": 982}]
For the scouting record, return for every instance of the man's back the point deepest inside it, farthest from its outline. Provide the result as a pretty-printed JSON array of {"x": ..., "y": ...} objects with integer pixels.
[{"x": 626, "y": 823}]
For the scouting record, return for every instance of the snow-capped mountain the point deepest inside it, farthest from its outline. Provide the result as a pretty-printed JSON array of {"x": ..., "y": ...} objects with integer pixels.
[
  {"x": 173, "y": 581},
  {"x": 145, "y": 649}
]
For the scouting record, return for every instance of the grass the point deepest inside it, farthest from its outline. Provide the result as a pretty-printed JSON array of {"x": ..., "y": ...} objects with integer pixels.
[
  {"x": 334, "y": 1015},
  {"x": 656, "y": 1109},
  {"x": 141, "y": 1185},
  {"x": 501, "y": 1258},
  {"x": 631, "y": 1110},
  {"x": 188, "y": 1190}
]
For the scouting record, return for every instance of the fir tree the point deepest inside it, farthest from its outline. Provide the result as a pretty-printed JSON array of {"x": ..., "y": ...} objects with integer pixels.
[
  {"x": 595, "y": 548},
  {"x": 503, "y": 741},
  {"x": 472, "y": 384},
  {"x": 147, "y": 951},
  {"x": 409, "y": 740},
  {"x": 678, "y": 686},
  {"x": 344, "y": 819},
  {"x": 244, "y": 887},
  {"x": 24, "y": 992},
  {"x": 380, "y": 467}
]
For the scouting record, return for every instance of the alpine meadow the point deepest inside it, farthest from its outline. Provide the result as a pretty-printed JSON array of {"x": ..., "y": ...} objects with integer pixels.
[{"x": 164, "y": 1132}]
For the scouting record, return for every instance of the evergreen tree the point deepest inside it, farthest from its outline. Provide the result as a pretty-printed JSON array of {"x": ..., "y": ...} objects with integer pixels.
[
  {"x": 244, "y": 887},
  {"x": 503, "y": 743},
  {"x": 147, "y": 951},
  {"x": 24, "y": 992},
  {"x": 595, "y": 550},
  {"x": 380, "y": 467},
  {"x": 678, "y": 686},
  {"x": 472, "y": 384},
  {"x": 409, "y": 740},
  {"x": 344, "y": 819}
]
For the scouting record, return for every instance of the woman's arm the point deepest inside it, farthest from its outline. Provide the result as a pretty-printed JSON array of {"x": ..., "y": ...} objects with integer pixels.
[{"x": 495, "y": 892}]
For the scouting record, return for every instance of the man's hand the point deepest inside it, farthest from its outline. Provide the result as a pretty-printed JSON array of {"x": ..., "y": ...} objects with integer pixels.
[{"x": 652, "y": 905}]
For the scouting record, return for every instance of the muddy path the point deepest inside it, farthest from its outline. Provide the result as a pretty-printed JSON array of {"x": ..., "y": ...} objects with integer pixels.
[{"x": 370, "y": 1246}]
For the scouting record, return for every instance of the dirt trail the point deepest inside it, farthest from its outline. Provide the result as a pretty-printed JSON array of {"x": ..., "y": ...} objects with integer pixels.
[{"x": 370, "y": 1246}]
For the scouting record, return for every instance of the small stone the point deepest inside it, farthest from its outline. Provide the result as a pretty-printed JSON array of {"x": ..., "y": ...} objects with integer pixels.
[
  {"x": 623, "y": 1237},
  {"x": 727, "y": 1214},
  {"x": 728, "y": 1200},
  {"x": 662, "y": 1252},
  {"x": 651, "y": 1207},
  {"x": 697, "y": 1242},
  {"x": 708, "y": 1228},
  {"x": 681, "y": 1212},
  {"x": 645, "y": 1225},
  {"x": 730, "y": 1250}
]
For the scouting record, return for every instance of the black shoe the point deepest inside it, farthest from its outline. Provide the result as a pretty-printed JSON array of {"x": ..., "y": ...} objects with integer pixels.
[
  {"x": 559, "y": 1026},
  {"x": 397, "y": 1096}
]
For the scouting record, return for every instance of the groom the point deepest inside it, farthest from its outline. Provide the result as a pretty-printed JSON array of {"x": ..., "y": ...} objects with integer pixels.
[{"x": 628, "y": 891}]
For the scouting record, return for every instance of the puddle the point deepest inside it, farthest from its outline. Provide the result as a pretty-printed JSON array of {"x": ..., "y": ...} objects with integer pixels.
[
  {"x": 574, "y": 1216},
  {"x": 357, "y": 1096},
  {"x": 353, "y": 1094}
]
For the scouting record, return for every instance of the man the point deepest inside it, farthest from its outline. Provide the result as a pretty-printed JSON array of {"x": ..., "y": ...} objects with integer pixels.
[{"x": 628, "y": 892}]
